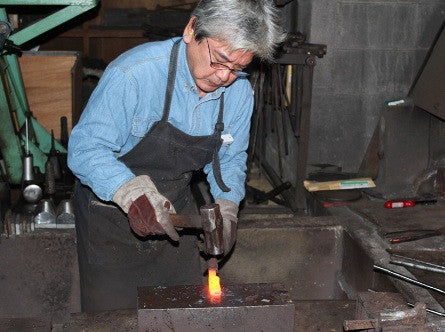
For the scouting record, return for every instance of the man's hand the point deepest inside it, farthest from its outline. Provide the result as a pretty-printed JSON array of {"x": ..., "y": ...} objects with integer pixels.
[
  {"x": 229, "y": 212},
  {"x": 148, "y": 211}
]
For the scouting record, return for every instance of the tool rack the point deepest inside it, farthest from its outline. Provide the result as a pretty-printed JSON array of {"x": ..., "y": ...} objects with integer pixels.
[{"x": 282, "y": 118}]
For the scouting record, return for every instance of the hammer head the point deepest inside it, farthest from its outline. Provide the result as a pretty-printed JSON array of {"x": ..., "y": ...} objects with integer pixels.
[{"x": 212, "y": 225}]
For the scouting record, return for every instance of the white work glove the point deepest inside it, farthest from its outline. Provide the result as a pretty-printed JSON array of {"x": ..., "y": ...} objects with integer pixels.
[
  {"x": 148, "y": 211},
  {"x": 229, "y": 212}
]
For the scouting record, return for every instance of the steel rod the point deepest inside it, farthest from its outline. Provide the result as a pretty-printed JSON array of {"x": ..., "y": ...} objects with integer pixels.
[
  {"x": 408, "y": 279},
  {"x": 422, "y": 263},
  {"x": 419, "y": 266}
]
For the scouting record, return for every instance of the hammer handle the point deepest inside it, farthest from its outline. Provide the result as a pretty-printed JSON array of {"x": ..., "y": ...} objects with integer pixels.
[{"x": 186, "y": 221}]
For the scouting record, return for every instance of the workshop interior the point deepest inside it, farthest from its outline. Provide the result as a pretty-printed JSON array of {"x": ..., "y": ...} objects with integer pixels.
[{"x": 343, "y": 223}]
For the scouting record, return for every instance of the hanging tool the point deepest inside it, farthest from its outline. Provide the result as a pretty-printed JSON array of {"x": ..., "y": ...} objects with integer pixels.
[
  {"x": 284, "y": 102},
  {"x": 412, "y": 235},
  {"x": 402, "y": 203},
  {"x": 31, "y": 191},
  {"x": 50, "y": 180},
  {"x": 64, "y": 131},
  {"x": 53, "y": 158}
]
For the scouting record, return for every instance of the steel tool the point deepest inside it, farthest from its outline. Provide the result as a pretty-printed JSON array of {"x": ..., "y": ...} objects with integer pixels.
[
  {"x": 401, "y": 203},
  {"x": 408, "y": 279},
  {"x": 211, "y": 223},
  {"x": 417, "y": 264},
  {"x": 412, "y": 235}
]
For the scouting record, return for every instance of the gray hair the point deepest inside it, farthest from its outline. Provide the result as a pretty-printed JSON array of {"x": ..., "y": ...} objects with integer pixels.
[{"x": 252, "y": 25}]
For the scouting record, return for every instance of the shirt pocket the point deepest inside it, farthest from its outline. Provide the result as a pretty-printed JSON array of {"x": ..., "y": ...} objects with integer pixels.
[{"x": 140, "y": 126}]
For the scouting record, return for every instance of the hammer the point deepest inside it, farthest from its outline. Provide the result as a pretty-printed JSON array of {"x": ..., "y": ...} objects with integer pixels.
[{"x": 211, "y": 223}]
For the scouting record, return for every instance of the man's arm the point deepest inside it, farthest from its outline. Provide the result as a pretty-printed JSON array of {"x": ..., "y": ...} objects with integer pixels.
[
  {"x": 100, "y": 134},
  {"x": 94, "y": 145}
]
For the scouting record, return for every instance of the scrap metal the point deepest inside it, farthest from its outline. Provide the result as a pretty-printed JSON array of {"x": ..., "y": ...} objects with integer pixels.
[{"x": 382, "y": 311}]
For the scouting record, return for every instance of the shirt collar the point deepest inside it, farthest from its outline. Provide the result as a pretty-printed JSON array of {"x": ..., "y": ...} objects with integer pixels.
[{"x": 186, "y": 77}]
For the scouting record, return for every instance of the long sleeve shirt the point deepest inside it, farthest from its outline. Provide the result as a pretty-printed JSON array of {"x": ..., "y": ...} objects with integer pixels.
[{"x": 129, "y": 98}]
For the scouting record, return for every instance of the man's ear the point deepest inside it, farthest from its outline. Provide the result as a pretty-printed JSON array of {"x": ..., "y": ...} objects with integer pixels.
[{"x": 189, "y": 30}]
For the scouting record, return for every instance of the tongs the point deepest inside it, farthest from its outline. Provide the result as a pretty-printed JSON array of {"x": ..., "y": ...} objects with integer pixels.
[{"x": 412, "y": 235}]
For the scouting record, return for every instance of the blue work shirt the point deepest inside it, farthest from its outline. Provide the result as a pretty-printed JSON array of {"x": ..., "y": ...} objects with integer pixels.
[{"x": 130, "y": 98}]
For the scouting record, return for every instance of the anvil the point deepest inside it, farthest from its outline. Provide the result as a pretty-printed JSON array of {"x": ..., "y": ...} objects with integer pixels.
[{"x": 244, "y": 307}]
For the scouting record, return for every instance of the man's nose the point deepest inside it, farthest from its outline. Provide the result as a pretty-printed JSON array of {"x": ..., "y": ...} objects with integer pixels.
[{"x": 223, "y": 75}]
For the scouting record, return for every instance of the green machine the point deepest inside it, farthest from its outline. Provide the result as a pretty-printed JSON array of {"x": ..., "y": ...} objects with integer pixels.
[{"x": 20, "y": 133}]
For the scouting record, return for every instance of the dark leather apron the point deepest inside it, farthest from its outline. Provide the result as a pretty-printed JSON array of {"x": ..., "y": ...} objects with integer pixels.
[{"x": 113, "y": 261}]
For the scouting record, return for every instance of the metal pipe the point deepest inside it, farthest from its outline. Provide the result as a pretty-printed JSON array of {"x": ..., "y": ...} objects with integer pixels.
[
  {"x": 419, "y": 265},
  {"x": 419, "y": 261},
  {"x": 28, "y": 168},
  {"x": 408, "y": 279},
  {"x": 27, "y": 136}
]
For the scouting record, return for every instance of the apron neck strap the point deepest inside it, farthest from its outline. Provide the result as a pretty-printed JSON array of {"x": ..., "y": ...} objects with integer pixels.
[
  {"x": 171, "y": 79},
  {"x": 219, "y": 126}
]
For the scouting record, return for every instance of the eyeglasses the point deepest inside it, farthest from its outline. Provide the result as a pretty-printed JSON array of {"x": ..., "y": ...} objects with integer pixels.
[{"x": 221, "y": 66}]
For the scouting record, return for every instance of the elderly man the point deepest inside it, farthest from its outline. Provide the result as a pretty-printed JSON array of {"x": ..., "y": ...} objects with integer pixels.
[{"x": 161, "y": 111}]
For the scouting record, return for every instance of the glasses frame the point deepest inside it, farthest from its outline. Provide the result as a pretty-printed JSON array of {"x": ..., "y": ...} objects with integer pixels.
[{"x": 221, "y": 66}]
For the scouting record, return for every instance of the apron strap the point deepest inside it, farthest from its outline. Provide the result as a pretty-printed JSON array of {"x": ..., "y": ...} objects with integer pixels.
[
  {"x": 170, "y": 80},
  {"x": 219, "y": 126},
  {"x": 216, "y": 165}
]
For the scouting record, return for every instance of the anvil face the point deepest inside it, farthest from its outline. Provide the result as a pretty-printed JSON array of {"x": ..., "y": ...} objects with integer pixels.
[{"x": 247, "y": 307}]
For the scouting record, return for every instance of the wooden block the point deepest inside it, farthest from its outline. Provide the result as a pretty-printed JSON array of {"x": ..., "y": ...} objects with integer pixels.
[
  {"x": 355, "y": 183},
  {"x": 52, "y": 81}
]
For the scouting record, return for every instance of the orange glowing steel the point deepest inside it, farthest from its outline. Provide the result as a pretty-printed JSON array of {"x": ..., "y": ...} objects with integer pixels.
[{"x": 214, "y": 284}]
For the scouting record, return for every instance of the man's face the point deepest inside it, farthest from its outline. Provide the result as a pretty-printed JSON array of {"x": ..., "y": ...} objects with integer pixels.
[{"x": 207, "y": 58}]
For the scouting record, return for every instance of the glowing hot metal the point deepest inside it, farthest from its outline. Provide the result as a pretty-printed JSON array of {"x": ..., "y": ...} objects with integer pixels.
[{"x": 214, "y": 284}]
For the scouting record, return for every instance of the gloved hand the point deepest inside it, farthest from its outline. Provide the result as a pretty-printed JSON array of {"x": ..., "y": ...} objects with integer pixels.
[
  {"x": 148, "y": 211},
  {"x": 229, "y": 212}
]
